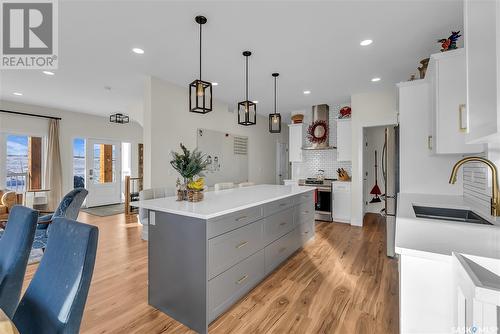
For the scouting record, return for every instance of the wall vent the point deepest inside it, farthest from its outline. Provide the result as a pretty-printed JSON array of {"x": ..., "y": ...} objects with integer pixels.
[{"x": 240, "y": 145}]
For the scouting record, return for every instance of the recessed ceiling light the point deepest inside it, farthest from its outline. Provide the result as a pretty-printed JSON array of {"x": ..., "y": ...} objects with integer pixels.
[
  {"x": 48, "y": 73},
  {"x": 375, "y": 79},
  {"x": 307, "y": 92},
  {"x": 255, "y": 101},
  {"x": 17, "y": 94},
  {"x": 366, "y": 42},
  {"x": 215, "y": 83},
  {"x": 138, "y": 51}
]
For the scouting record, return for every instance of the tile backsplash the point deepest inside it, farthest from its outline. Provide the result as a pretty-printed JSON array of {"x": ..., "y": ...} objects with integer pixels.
[{"x": 321, "y": 159}]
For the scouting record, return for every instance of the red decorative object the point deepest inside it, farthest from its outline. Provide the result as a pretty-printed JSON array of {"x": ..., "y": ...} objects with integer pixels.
[
  {"x": 345, "y": 112},
  {"x": 311, "y": 132}
]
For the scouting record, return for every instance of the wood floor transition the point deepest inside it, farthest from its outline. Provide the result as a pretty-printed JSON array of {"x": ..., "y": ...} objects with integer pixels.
[{"x": 342, "y": 282}]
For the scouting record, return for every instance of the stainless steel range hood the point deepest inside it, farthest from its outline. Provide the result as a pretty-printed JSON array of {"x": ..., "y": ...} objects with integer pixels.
[{"x": 321, "y": 112}]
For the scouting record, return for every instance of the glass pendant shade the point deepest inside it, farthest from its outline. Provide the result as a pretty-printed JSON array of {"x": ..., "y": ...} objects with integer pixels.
[
  {"x": 200, "y": 92},
  {"x": 275, "y": 118},
  {"x": 247, "y": 110},
  {"x": 275, "y": 123},
  {"x": 200, "y": 97},
  {"x": 247, "y": 113}
]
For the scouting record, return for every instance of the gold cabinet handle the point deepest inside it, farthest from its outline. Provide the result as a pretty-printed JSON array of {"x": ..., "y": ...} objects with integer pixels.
[
  {"x": 241, "y": 218},
  {"x": 461, "y": 110},
  {"x": 283, "y": 224},
  {"x": 429, "y": 142},
  {"x": 282, "y": 249},
  {"x": 241, "y": 280},
  {"x": 283, "y": 204},
  {"x": 243, "y": 244},
  {"x": 306, "y": 232}
]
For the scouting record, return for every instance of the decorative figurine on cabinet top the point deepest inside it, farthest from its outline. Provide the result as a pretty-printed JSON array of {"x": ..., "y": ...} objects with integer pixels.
[
  {"x": 450, "y": 43},
  {"x": 345, "y": 112}
]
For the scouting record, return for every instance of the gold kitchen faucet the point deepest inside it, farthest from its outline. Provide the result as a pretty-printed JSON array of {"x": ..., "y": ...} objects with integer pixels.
[{"x": 495, "y": 196}]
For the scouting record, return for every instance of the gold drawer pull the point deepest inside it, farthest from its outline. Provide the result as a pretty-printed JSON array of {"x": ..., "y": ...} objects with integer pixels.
[
  {"x": 241, "y": 218},
  {"x": 283, "y": 204},
  {"x": 241, "y": 280},
  {"x": 283, "y": 224},
  {"x": 462, "y": 121},
  {"x": 282, "y": 249},
  {"x": 244, "y": 243},
  {"x": 306, "y": 232},
  {"x": 429, "y": 142}
]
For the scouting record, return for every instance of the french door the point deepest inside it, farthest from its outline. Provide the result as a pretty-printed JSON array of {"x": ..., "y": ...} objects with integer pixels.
[{"x": 103, "y": 172}]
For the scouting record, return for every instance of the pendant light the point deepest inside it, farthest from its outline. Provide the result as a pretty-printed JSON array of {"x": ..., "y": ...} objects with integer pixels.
[
  {"x": 247, "y": 110},
  {"x": 275, "y": 118},
  {"x": 200, "y": 92}
]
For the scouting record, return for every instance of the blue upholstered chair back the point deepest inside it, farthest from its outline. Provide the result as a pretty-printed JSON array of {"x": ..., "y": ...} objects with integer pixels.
[
  {"x": 70, "y": 204},
  {"x": 15, "y": 247},
  {"x": 55, "y": 299}
]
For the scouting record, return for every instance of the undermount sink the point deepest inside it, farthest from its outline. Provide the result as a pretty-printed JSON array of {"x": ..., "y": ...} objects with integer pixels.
[{"x": 458, "y": 215}]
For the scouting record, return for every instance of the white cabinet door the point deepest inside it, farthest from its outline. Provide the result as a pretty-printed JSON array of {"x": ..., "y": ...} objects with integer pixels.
[
  {"x": 448, "y": 89},
  {"x": 481, "y": 36},
  {"x": 341, "y": 198},
  {"x": 295, "y": 142},
  {"x": 344, "y": 140}
]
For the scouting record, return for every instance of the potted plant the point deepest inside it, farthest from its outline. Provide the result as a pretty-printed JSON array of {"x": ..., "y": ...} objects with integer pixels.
[{"x": 189, "y": 165}]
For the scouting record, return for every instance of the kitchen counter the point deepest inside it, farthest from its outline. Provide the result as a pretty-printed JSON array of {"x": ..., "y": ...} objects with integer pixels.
[
  {"x": 437, "y": 239},
  {"x": 219, "y": 203}
]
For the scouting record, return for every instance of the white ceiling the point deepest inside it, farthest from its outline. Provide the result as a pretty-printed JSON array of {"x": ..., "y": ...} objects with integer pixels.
[{"x": 313, "y": 45}]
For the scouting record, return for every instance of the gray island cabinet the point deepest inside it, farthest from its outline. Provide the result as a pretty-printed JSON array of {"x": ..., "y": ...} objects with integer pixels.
[{"x": 203, "y": 257}]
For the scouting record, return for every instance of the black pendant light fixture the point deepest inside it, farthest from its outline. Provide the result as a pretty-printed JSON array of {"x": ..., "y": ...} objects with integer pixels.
[
  {"x": 247, "y": 110},
  {"x": 275, "y": 118},
  {"x": 200, "y": 92}
]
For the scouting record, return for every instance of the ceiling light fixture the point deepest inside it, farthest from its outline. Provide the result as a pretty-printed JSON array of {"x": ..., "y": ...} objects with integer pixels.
[
  {"x": 139, "y": 51},
  {"x": 48, "y": 73},
  {"x": 247, "y": 110},
  {"x": 119, "y": 118},
  {"x": 215, "y": 83},
  {"x": 17, "y": 94},
  {"x": 366, "y": 42},
  {"x": 200, "y": 92},
  {"x": 275, "y": 118},
  {"x": 255, "y": 101},
  {"x": 375, "y": 79},
  {"x": 307, "y": 92}
]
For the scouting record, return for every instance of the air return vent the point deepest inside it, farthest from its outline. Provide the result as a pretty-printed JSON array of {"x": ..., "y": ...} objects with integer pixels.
[{"x": 240, "y": 145}]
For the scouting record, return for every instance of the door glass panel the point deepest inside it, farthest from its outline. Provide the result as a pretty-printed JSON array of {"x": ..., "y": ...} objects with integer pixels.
[{"x": 104, "y": 164}]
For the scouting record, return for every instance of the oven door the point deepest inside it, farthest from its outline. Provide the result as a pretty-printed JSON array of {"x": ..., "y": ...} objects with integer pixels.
[{"x": 323, "y": 207}]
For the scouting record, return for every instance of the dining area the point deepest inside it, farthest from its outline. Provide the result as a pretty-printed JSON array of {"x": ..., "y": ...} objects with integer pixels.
[{"x": 55, "y": 298}]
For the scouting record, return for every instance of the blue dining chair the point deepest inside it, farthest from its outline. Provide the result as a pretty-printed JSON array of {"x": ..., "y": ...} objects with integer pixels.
[
  {"x": 56, "y": 297},
  {"x": 15, "y": 247},
  {"x": 69, "y": 207}
]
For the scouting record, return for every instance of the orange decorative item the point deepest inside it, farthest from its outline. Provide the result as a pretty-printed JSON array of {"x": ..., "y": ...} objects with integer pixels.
[{"x": 297, "y": 118}]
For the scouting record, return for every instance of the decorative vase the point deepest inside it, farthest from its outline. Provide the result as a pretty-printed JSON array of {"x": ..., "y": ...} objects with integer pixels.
[
  {"x": 422, "y": 69},
  {"x": 194, "y": 195}
]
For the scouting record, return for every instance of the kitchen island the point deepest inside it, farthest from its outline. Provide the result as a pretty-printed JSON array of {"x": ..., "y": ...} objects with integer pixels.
[{"x": 203, "y": 257}]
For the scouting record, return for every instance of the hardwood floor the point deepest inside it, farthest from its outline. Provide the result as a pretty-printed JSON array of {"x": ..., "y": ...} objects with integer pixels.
[{"x": 342, "y": 282}]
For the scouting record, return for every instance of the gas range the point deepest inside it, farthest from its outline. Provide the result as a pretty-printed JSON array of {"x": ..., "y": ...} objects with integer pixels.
[{"x": 323, "y": 198}]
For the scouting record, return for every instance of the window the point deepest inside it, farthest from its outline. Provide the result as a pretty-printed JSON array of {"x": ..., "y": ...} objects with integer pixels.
[
  {"x": 104, "y": 166},
  {"x": 24, "y": 163},
  {"x": 79, "y": 163}
]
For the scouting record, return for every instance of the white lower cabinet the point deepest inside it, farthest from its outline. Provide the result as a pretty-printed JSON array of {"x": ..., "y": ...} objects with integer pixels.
[
  {"x": 246, "y": 246},
  {"x": 341, "y": 197}
]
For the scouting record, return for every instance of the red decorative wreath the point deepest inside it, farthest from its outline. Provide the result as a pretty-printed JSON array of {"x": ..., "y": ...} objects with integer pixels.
[{"x": 312, "y": 130}]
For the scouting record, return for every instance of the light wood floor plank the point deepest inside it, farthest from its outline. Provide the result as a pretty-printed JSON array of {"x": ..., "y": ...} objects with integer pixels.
[{"x": 342, "y": 282}]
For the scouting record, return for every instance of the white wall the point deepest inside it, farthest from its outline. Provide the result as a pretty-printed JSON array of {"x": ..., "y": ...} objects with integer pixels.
[
  {"x": 73, "y": 125},
  {"x": 368, "y": 109},
  {"x": 420, "y": 170},
  {"x": 168, "y": 122}
]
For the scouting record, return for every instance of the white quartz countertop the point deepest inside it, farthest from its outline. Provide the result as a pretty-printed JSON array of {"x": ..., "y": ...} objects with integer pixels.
[
  {"x": 438, "y": 238},
  {"x": 219, "y": 203}
]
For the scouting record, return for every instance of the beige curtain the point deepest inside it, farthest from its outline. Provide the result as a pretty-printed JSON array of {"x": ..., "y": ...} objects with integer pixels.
[{"x": 53, "y": 168}]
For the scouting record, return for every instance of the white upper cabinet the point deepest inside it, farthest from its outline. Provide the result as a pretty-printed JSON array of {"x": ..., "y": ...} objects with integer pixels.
[
  {"x": 344, "y": 140},
  {"x": 295, "y": 135},
  {"x": 482, "y": 43},
  {"x": 449, "y": 121}
]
